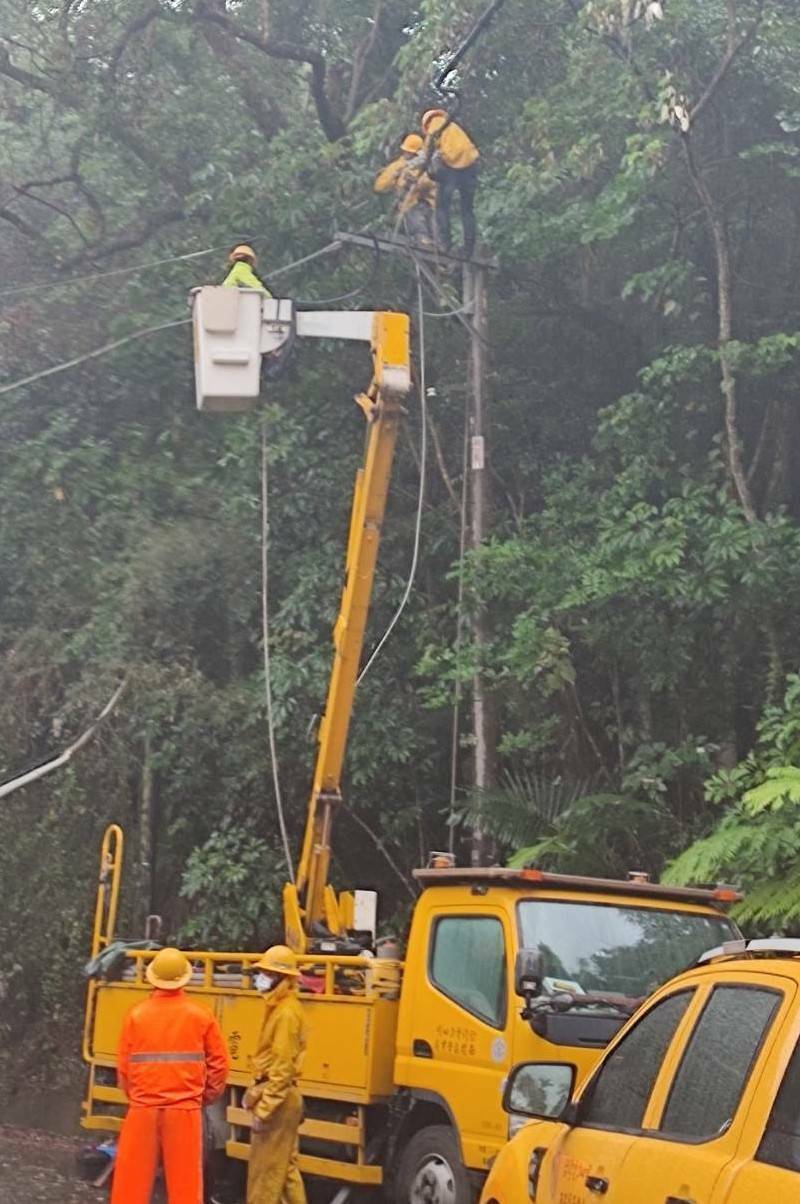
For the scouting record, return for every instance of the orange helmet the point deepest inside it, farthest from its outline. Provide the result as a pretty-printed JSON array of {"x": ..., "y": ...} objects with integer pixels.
[
  {"x": 428, "y": 117},
  {"x": 412, "y": 143},
  {"x": 242, "y": 251}
]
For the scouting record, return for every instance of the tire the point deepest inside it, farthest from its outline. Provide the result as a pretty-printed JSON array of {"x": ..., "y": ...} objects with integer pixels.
[{"x": 430, "y": 1170}]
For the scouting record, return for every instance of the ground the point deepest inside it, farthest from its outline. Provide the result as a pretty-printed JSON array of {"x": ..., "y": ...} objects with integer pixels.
[{"x": 39, "y": 1168}]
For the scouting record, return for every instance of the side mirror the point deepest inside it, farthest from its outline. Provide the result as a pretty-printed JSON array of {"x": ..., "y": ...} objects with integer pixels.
[
  {"x": 541, "y": 1090},
  {"x": 528, "y": 973}
]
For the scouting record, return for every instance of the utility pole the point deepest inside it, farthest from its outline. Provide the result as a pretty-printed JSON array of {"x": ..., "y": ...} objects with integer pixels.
[{"x": 484, "y": 760}]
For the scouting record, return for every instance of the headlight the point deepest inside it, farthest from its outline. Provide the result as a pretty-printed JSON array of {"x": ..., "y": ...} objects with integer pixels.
[{"x": 534, "y": 1169}]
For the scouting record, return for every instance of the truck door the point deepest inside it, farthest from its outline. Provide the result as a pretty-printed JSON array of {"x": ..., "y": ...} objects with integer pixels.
[{"x": 456, "y": 1037}]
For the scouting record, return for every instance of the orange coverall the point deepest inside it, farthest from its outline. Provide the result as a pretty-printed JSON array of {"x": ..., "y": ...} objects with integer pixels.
[{"x": 171, "y": 1061}]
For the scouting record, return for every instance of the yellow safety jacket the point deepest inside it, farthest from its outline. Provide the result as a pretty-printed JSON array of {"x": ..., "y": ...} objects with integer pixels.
[
  {"x": 454, "y": 146},
  {"x": 281, "y": 1045},
  {"x": 242, "y": 275},
  {"x": 408, "y": 181}
]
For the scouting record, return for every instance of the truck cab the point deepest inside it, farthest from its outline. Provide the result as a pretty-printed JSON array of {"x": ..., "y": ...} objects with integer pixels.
[{"x": 468, "y": 1014}]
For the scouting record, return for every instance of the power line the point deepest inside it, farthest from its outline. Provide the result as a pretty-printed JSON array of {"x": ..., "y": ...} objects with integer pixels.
[
  {"x": 57, "y": 282},
  {"x": 265, "y": 640},
  {"x": 91, "y": 355},
  {"x": 148, "y": 330},
  {"x": 423, "y": 396}
]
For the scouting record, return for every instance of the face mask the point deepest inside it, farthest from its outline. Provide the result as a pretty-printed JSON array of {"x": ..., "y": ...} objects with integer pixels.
[{"x": 265, "y": 982}]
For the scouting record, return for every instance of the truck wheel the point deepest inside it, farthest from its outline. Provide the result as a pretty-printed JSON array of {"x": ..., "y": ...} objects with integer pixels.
[{"x": 430, "y": 1171}]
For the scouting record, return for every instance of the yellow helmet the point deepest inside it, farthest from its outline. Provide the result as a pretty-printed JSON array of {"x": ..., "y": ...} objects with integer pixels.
[
  {"x": 412, "y": 143},
  {"x": 429, "y": 115},
  {"x": 242, "y": 251},
  {"x": 278, "y": 959},
  {"x": 169, "y": 970}
]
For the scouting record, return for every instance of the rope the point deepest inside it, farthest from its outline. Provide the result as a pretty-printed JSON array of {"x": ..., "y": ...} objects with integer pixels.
[
  {"x": 265, "y": 640},
  {"x": 423, "y": 397},
  {"x": 462, "y": 543}
]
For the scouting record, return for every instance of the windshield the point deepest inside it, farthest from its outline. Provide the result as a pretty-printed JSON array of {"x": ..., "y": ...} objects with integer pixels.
[{"x": 596, "y": 947}]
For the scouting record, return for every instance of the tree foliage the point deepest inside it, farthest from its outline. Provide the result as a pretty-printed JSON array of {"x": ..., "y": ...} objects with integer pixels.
[{"x": 639, "y": 188}]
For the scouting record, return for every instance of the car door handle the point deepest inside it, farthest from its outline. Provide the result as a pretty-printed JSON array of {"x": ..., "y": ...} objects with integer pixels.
[
  {"x": 596, "y": 1184},
  {"x": 678, "y": 1200},
  {"x": 422, "y": 1049}
]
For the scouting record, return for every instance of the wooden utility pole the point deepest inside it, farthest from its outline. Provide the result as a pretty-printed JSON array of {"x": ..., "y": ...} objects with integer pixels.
[{"x": 484, "y": 760}]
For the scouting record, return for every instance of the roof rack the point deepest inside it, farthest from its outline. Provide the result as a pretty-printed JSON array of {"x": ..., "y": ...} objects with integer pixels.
[
  {"x": 487, "y": 876},
  {"x": 777, "y": 946}
]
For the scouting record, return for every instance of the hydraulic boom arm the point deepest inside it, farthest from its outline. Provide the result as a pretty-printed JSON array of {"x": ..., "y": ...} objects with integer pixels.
[
  {"x": 310, "y": 905},
  {"x": 233, "y": 329}
]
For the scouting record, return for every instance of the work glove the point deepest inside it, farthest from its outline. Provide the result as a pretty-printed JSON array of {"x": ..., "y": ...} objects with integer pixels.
[{"x": 250, "y": 1098}]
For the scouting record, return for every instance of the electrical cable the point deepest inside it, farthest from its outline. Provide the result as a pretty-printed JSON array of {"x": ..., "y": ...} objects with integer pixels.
[
  {"x": 90, "y": 355},
  {"x": 469, "y": 41},
  {"x": 423, "y": 453},
  {"x": 140, "y": 334},
  {"x": 265, "y": 640},
  {"x": 57, "y": 282},
  {"x": 54, "y": 283},
  {"x": 356, "y": 292}
]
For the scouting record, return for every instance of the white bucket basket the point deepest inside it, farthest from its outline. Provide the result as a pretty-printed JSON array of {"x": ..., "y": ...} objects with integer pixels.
[{"x": 227, "y": 352}]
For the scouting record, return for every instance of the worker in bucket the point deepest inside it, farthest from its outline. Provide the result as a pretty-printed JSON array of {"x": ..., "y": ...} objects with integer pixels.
[
  {"x": 415, "y": 191},
  {"x": 171, "y": 1061},
  {"x": 451, "y": 159},
  {"x": 242, "y": 273},
  {"x": 273, "y": 1099}
]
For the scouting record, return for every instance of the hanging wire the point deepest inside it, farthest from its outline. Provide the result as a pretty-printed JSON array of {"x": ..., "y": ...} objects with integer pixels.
[
  {"x": 462, "y": 543},
  {"x": 423, "y": 454},
  {"x": 60, "y": 282},
  {"x": 273, "y": 755},
  {"x": 148, "y": 330},
  {"x": 91, "y": 355}
]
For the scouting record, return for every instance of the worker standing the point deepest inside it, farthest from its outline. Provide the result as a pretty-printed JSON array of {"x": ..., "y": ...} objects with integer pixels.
[
  {"x": 273, "y": 1176},
  {"x": 452, "y": 161},
  {"x": 170, "y": 1062},
  {"x": 242, "y": 273},
  {"x": 414, "y": 189}
]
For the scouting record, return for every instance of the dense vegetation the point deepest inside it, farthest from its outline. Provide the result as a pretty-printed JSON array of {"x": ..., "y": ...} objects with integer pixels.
[{"x": 640, "y": 188}]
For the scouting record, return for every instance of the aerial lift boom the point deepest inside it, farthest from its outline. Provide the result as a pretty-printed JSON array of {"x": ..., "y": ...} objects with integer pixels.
[{"x": 226, "y": 323}]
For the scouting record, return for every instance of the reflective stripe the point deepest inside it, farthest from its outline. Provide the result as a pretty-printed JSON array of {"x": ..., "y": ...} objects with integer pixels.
[{"x": 173, "y": 1056}]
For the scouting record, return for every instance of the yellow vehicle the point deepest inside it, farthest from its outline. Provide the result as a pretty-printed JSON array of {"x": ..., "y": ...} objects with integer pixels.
[
  {"x": 406, "y": 1059},
  {"x": 697, "y": 1101}
]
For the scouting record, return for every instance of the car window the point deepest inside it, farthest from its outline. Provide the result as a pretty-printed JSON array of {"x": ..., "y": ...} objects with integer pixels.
[
  {"x": 468, "y": 964},
  {"x": 781, "y": 1142},
  {"x": 717, "y": 1062},
  {"x": 619, "y": 1093}
]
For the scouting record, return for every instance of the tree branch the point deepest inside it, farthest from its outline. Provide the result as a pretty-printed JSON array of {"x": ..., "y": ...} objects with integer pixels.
[
  {"x": 734, "y": 45},
  {"x": 332, "y": 124},
  {"x": 360, "y": 61},
  {"x": 126, "y": 240},
  {"x": 725, "y": 329},
  {"x": 134, "y": 27},
  {"x": 8, "y": 215}
]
